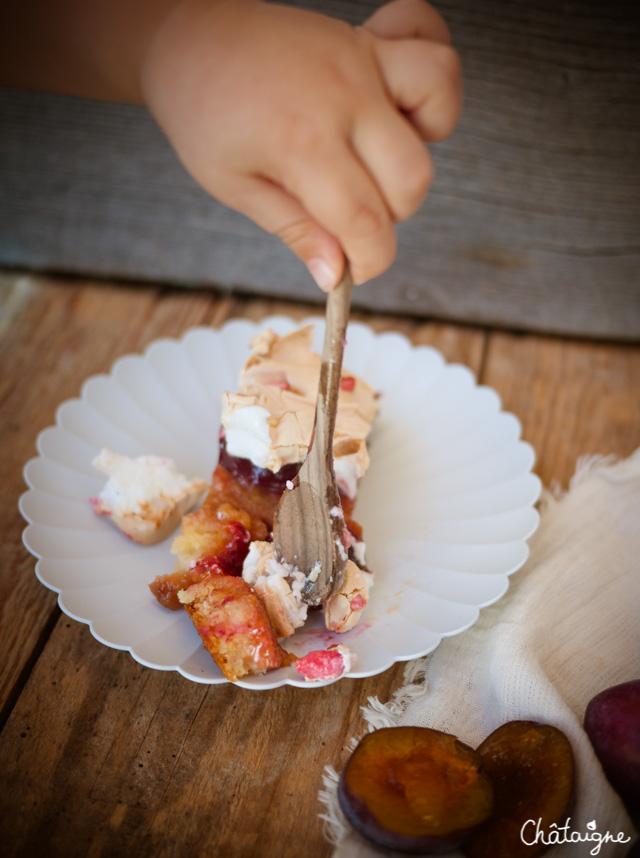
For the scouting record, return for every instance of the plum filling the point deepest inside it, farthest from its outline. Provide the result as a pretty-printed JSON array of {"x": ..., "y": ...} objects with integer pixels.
[
  {"x": 249, "y": 474},
  {"x": 246, "y": 472},
  {"x": 232, "y": 556}
]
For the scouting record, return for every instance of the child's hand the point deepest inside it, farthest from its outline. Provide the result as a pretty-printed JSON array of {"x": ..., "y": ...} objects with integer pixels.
[{"x": 308, "y": 126}]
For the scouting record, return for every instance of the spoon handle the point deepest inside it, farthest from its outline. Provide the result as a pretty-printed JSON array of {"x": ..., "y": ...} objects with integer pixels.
[{"x": 337, "y": 318}]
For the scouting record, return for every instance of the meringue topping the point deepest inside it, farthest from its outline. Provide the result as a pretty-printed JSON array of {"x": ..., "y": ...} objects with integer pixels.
[{"x": 270, "y": 419}]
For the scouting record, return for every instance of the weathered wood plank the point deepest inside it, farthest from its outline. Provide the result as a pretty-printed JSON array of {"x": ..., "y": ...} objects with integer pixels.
[
  {"x": 573, "y": 398},
  {"x": 532, "y": 221},
  {"x": 103, "y": 756}
]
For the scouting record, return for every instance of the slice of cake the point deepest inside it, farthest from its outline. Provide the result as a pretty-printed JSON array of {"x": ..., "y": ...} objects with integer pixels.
[{"x": 226, "y": 565}]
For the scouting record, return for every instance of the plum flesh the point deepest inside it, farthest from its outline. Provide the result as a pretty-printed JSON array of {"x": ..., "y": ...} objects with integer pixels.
[
  {"x": 612, "y": 723},
  {"x": 531, "y": 769},
  {"x": 414, "y": 790}
]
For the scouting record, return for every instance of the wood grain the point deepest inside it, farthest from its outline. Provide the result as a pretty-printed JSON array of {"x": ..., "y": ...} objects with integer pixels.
[
  {"x": 532, "y": 221},
  {"x": 573, "y": 398},
  {"x": 103, "y": 757},
  {"x": 134, "y": 761}
]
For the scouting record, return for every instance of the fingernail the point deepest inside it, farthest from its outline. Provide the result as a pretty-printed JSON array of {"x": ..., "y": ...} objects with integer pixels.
[{"x": 323, "y": 274}]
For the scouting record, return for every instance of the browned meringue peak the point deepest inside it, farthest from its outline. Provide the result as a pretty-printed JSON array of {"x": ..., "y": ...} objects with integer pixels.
[{"x": 270, "y": 419}]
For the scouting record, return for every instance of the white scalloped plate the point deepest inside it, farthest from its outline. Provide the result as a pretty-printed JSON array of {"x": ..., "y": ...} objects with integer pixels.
[{"x": 447, "y": 504}]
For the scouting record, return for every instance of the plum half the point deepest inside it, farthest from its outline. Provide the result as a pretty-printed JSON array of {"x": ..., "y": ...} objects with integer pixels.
[
  {"x": 612, "y": 723},
  {"x": 414, "y": 790},
  {"x": 531, "y": 769}
]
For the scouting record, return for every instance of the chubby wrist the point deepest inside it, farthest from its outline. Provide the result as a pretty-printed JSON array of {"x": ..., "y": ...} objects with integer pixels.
[
  {"x": 171, "y": 36},
  {"x": 94, "y": 49},
  {"x": 148, "y": 20}
]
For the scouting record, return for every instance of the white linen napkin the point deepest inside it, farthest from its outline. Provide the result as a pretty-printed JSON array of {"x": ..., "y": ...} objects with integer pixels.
[{"x": 568, "y": 627}]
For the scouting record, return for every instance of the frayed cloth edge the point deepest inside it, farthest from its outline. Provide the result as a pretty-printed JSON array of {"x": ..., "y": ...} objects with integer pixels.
[
  {"x": 610, "y": 467},
  {"x": 414, "y": 686},
  {"x": 334, "y": 825}
]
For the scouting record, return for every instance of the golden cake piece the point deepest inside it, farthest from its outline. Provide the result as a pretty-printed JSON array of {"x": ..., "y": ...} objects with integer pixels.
[
  {"x": 218, "y": 529},
  {"x": 216, "y": 537},
  {"x": 233, "y": 625}
]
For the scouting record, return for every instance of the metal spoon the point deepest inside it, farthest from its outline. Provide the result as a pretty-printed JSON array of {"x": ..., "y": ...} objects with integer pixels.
[{"x": 309, "y": 524}]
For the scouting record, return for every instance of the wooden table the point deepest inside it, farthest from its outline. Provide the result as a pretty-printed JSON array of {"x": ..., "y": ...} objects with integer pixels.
[{"x": 102, "y": 756}]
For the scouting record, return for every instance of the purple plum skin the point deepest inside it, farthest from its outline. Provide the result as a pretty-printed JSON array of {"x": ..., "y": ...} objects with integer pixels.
[{"x": 612, "y": 723}]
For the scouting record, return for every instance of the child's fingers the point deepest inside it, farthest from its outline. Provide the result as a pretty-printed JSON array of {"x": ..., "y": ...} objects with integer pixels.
[
  {"x": 408, "y": 19},
  {"x": 281, "y": 214},
  {"x": 396, "y": 158},
  {"x": 339, "y": 193},
  {"x": 424, "y": 80}
]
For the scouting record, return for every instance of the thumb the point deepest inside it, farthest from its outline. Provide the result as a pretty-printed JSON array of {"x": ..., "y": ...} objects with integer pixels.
[{"x": 281, "y": 214}]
